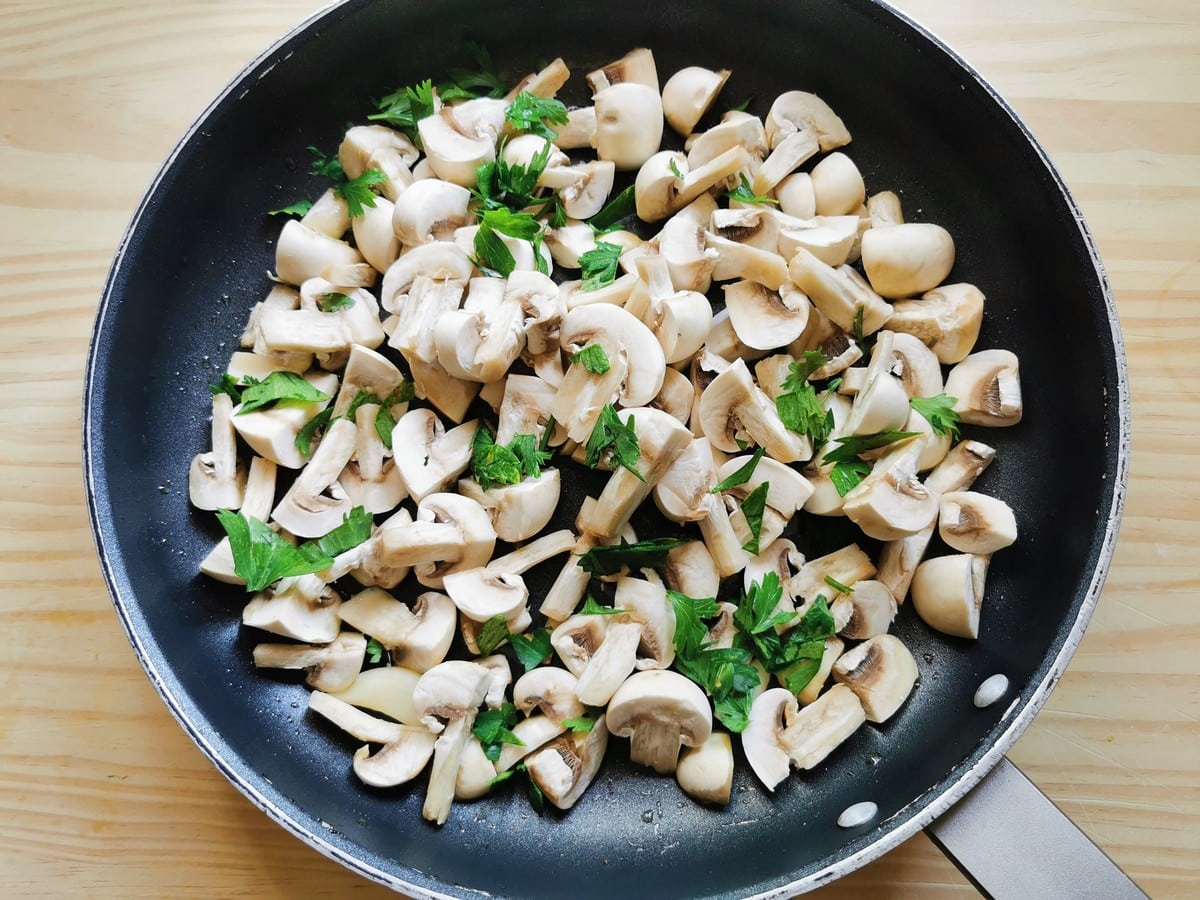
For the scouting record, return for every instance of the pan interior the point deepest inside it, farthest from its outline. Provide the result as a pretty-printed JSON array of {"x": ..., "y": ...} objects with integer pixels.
[{"x": 197, "y": 259}]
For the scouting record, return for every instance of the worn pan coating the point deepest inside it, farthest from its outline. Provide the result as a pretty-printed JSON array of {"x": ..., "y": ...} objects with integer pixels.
[{"x": 925, "y": 125}]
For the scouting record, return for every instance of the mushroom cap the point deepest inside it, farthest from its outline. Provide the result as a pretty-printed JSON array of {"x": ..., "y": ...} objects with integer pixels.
[
  {"x": 891, "y": 503},
  {"x": 676, "y": 396},
  {"x": 764, "y": 318},
  {"x": 454, "y": 152},
  {"x": 565, "y": 768},
  {"x": 660, "y": 698},
  {"x": 577, "y": 637},
  {"x": 736, "y": 129},
  {"x": 521, "y": 510},
  {"x": 947, "y": 319},
  {"x": 838, "y": 187},
  {"x": 629, "y": 123},
  {"x": 881, "y": 671},
  {"x": 689, "y": 569},
  {"x": 688, "y": 94},
  {"x": 971, "y": 522},
  {"x": 450, "y": 690},
  {"x": 947, "y": 593},
  {"x": 620, "y": 332},
  {"x": 399, "y": 761},
  {"x": 549, "y": 689},
  {"x": 429, "y": 457},
  {"x": 988, "y": 387},
  {"x": 903, "y": 260},
  {"x": 706, "y": 772},
  {"x": 430, "y": 210},
  {"x": 761, "y": 739},
  {"x": 475, "y": 525},
  {"x": 481, "y": 594},
  {"x": 682, "y": 493}
]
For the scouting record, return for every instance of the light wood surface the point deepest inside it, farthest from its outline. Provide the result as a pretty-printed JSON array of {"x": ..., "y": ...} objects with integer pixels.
[{"x": 101, "y": 795}]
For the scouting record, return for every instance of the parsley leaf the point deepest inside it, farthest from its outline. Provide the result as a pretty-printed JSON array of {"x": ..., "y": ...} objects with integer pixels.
[
  {"x": 493, "y": 633},
  {"x": 853, "y": 445},
  {"x": 593, "y": 358},
  {"x": 375, "y": 651},
  {"x": 939, "y": 412},
  {"x": 278, "y": 386},
  {"x": 619, "y": 207},
  {"x": 848, "y": 474},
  {"x": 530, "y": 113},
  {"x": 531, "y": 648},
  {"x": 299, "y": 208},
  {"x": 493, "y": 728},
  {"x": 326, "y": 166},
  {"x": 837, "y": 585},
  {"x": 227, "y": 385},
  {"x": 798, "y": 406},
  {"x": 530, "y": 454},
  {"x": 674, "y": 167},
  {"x": 334, "y": 301},
  {"x": 492, "y": 463},
  {"x": 745, "y": 193},
  {"x": 355, "y": 528},
  {"x": 484, "y": 82},
  {"x": 262, "y": 556},
  {"x": 690, "y": 631},
  {"x": 490, "y": 249},
  {"x": 742, "y": 475},
  {"x": 357, "y": 191},
  {"x": 579, "y": 724},
  {"x": 608, "y": 560},
  {"x": 727, "y": 675},
  {"x": 752, "y": 508},
  {"x": 513, "y": 187},
  {"x": 599, "y": 265},
  {"x": 803, "y": 641},
  {"x": 592, "y": 608},
  {"x": 405, "y": 107},
  {"x": 308, "y": 432},
  {"x": 385, "y": 422},
  {"x": 610, "y": 435}
]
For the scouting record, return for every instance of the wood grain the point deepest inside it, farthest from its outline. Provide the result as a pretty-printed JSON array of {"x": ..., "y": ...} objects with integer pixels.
[{"x": 101, "y": 795}]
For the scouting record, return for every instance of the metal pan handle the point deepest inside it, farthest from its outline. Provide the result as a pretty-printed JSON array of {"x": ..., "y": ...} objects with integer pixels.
[{"x": 1013, "y": 843}]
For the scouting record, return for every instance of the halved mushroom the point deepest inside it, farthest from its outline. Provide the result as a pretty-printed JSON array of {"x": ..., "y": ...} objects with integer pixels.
[
  {"x": 629, "y": 123},
  {"x": 564, "y": 769},
  {"x": 734, "y": 409},
  {"x": 706, "y": 772},
  {"x": 480, "y": 594},
  {"x": 387, "y": 689},
  {"x": 988, "y": 387},
  {"x": 521, "y": 510},
  {"x": 689, "y": 569},
  {"x": 838, "y": 187},
  {"x": 459, "y": 139},
  {"x": 902, "y": 260},
  {"x": 796, "y": 197},
  {"x": 636, "y": 66},
  {"x": 916, "y": 366},
  {"x": 946, "y": 319},
  {"x": 660, "y": 711},
  {"x": 873, "y": 608},
  {"x": 316, "y": 503},
  {"x": 371, "y": 480},
  {"x": 215, "y": 479},
  {"x": 764, "y": 318},
  {"x": 302, "y": 253},
  {"x": 778, "y": 736},
  {"x": 329, "y": 667},
  {"x": 881, "y": 403},
  {"x": 794, "y": 111},
  {"x": 428, "y": 456},
  {"x": 417, "y": 638},
  {"x": 576, "y": 638},
  {"x": 688, "y": 94},
  {"x": 374, "y": 236},
  {"x": 549, "y": 690},
  {"x": 680, "y": 320},
  {"x": 881, "y": 671},
  {"x": 947, "y": 593},
  {"x": 665, "y": 182},
  {"x": 839, "y": 293},
  {"x": 329, "y": 215},
  {"x": 681, "y": 242},
  {"x": 430, "y": 210},
  {"x": 406, "y": 749},
  {"x": 303, "y": 608},
  {"x": 971, "y": 522},
  {"x": 891, "y": 502},
  {"x": 271, "y": 432},
  {"x": 579, "y": 131},
  {"x": 448, "y": 697}
]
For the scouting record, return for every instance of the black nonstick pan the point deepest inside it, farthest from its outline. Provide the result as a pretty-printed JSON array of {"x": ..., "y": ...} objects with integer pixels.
[{"x": 925, "y": 125}]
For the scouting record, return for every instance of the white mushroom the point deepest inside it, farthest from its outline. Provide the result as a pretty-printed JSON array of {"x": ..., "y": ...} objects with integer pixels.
[
  {"x": 688, "y": 94},
  {"x": 629, "y": 123},
  {"x": 666, "y": 183},
  {"x": 371, "y": 480},
  {"x": 660, "y": 711},
  {"x": 881, "y": 671},
  {"x": 303, "y": 608},
  {"x": 316, "y": 503},
  {"x": 429, "y": 457},
  {"x": 448, "y": 697},
  {"x": 680, "y": 320},
  {"x": 476, "y": 773},
  {"x": 764, "y": 318},
  {"x": 481, "y": 594},
  {"x": 682, "y": 243},
  {"x": 881, "y": 404},
  {"x": 987, "y": 386},
  {"x": 689, "y": 569},
  {"x": 946, "y": 319},
  {"x": 329, "y": 667},
  {"x": 271, "y": 432},
  {"x": 564, "y": 769},
  {"x": 387, "y": 689},
  {"x": 947, "y": 593},
  {"x": 451, "y": 533},
  {"x": 734, "y": 409},
  {"x": 778, "y": 736},
  {"x": 891, "y": 502},
  {"x": 971, "y": 522},
  {"x": 459, "y": 139},
  {"x": 580, "y": 130},
  {"x": 841, "y": 294},
  {"x": 216, "y": 480},
  {"x": 257, "y": 502},
  {"x": 430, "y": 210},
  {"x": 838, "y": 188},
  {"x": 902, "y": 260},
  {"x": 405, "y": 752},
  {"x": 706, "y": 772},
  {"x": 302, "y": 253},
  {"x": 873, "y": 607},
  {"x": 521, "y": 510},
  {"x": 636, "y": 66},
  {"x": 418, "y": 638}
]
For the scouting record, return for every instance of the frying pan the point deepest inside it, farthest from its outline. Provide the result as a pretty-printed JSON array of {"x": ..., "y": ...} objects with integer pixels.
[{"x": 925, "y": 125}]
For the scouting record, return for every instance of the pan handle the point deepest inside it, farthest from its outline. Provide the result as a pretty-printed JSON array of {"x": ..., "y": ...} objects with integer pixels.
[{"x": 1013, "y": 843}]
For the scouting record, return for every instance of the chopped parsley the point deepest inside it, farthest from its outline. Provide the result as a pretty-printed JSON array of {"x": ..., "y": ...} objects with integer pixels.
[
  {"x": 592, "y": 608},
  {"x": 619, "y": 207},
  {"x": 531, "y": 649},
  {"x": 611, "y": 437},
  {"x": 753, "y": 508},
  {"x": 326, "y": 166},
  {"x": 593, "y": 358},
  {"x": 798, "y": 406},
  {"x": 800, "y": 648},
  {"x": 530, "y": 113},
  {"x": 493, "y": 463},
  {"x": 599, "y": 265},
  {"x": 939, "y": 412},
  {"x": 299, "y": 208},
  {"x": 357, "y": 191},
  {"x": 742, "y": 475},
  {"x": 513, "y": 187},
  {"x": 609, "y": 560},
  {"x": 227, "y": 385},
  {"x": 690, "y": 630},
  {"x": 579, "y": 724},
  {"x": 744, "y": 193},
  {"x": 848, "y": 469},
  {"x": 838, "y": 586},
  {"x": 276, "y": 387},
  {"x": 334, "y": 302},
  {"x": 405, "y": 107},
  {"x": 491, "y": 253},
  {"x": 493, "y": 727},
  {"x": 375, "y": 651}
]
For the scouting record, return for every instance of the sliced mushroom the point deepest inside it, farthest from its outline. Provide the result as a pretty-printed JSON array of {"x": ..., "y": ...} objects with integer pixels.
[
  {"x": 583, "y": 189},
  {"x": 429, "y": 457},
  {"x": 787, "y": 155},
  {"x": 448, "y": 697},
  {"x": 946, "y": 319},
  {"x": 329, "y": 667},
  {"x": 303, "y": 608},
  {"x": 736, "y": 129},
  {"x": 676, "y": 396},
  {"x": 430, "y": 210},
  {"x": 947, "y": 593},
  {"x": 891, "y": 502},
  {"x": 459, "y": 139},
  {"x": 779, "y": 735},
  {"x": 881, "y": 671},
  {"x": 533, "y": 732},
  {"x": 764, "y": 318},
  {"x": 795, "y": 111},
  {"x": 680, "y": 320},
  {"x": 629, "y": 123},
  {"x": 688, "y": 94},
  {"x": 666, "y": 183},
  {"x": 971, "y": 522},
  {"x": 521, "y": 510},
  {"x": 371, "y": 480},
  {"x": 988, "y": 387},
  {"x": 829, "y": 238},
  {"x": 611, "y": 663},
  {"x": 706, "y": 772},
  {"x": 525, "y": 409},
  {"x": 406, "y": 750},
  {"x": 418, "y": 638},
  {"x": 839, "y": 293},
  {"x": 881, "y": 403},
  {"x": 271, "y": 432},
  {"x": 564, "y": 769},
  {"x": 215, "y": 479},
  {"x": 660, "y": 711},
  {"x": 873, "y": 608},
  {"x": 316, "y": 503},
  {"x": 845, "y": 565},
  {"x": 734, "y": 409},
  {"x": 388, "y": 690}
]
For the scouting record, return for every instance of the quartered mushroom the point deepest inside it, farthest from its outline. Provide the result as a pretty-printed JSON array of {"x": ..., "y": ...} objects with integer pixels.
[
  {"x": 629, "y": 123},
  {"x": 481, "y": 594},
  {"x": 371, "y": 479},
  {"x": 378, "y": 147},
  {"x": 947, "y": 593},
  {"x": 734, "y": 409},
  {"x": 577, "y": 638},
  {"x": 881, "y": 403},
  {"x": 459, "y": 139},
  {"x": 840, "y": 293},
  {"x": 328, "y": 667},
  {"x": 660, "y": 711},
  {"x": 476, "y": 773},
  {"x": 780, "y": 734},
  {"x": 689, "y": 569},
  {"x": 448, "y": 697},
  {"x": 764, "y": 318},
  {"x": 256, "y": 503},
  {"x": 316, "y": 502},
  {"x": 451, "y": 533},
  {"x": 405, "y": 750},
  {"x": 666, "y": 182},
  {"x": 428, "y": 456},
  {"x": 680, "y": 320},
  {"x": 580, "y": 130},
  {"x": 834, "y": 647},
  {"x": 302, "y": 253},
  {"x": 417, "y": 637},
  {"x": 891, "y": 501},
  {"x": 271, "y": 432},
  {"x": 873, "y": 609},
  {"x": 565, "y": 767},
  {"x": 430, "y": 210},
  {"x": 987, "y": 386},
  {"x": 519, "y": 511},
  {"x": 970, "y": 522},
  {"x": 908, "y": 259},
  {"x": 838, "y": 187},
  {"x": 881, "y": 671},
  {"x": 706, "y": 771},
  {"x": 303, "y": 608},
  {"x": 688, "y": 94},
  {"x": 946, "y": 319},
  {"x": 216, "y": 480}
]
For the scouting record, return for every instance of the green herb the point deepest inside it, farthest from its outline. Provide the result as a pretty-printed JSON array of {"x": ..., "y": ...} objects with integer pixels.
[
  {"x": 513, "y": 187},
  {"x": 326, "y": 166},
  {"x": 490, "y": 249},
  {"x": 593, "y": 358},
  {"x": 531, "y": 455},
  {"x": 600, "y": 265},
  {"x": 536, "y": 798},
  {"x": 335, "y": 302},
  {"x": 752, "y": 508},
  {"x": 308, "y": 432},
  {"x": 837, "y": 585},
  {"x": 848, "y": 474},
  {"x": 355, "y": 528},
  {"x": 743, "y": 106},
  {"x": 728, "y": 676},
  {"x": 357, "y": 191},
  {"x": 261, "y": 556},
  {"x": 579, "y": 724},
  {"x": 939, "y": 412},
  {"x": 492, "y": 463},
  {"x": 299, "y": 208},
  {"x": 744, "y": 193},
  {"x": 618, "y": 208},
  {"x": 803, "y": 641},
  {"x": 853, "y": 445},
  {"x": 493, "y": 728},
  {"x": 608, "y": 560},
  {"x": 405, "y": 107},
  {"x": 798, "y": 406},
  {"x": 375, "y": 651},
  {"x": 227, "y": 385},
  {"x": 275, "y": 387},
  {"x": 756, "y": 610},
  {"x": 385, "y": 422},
  {"x": 483, "y": 82},
  {"x": 613, "y": 437},
  {"x": 858, "y": 323},
  {"x": 592, "y": 608},
  {"x": 531, "y": 648},
  {"x": 493, "y": 633},
  {"x": 690, "y": 631},
  {"x": 742, "y": 475},
  {"x": 530, "y": 113},
  {"x": 674, "y": 167},
  {"x": 741, "y": 444}
]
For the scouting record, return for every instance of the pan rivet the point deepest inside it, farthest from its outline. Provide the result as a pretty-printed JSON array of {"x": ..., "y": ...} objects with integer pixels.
[
  {"x": 858, "y": 814},
  {"x": 991, "y": 690}
]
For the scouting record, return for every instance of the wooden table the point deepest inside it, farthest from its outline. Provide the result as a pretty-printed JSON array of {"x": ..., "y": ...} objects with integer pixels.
[{"x": 100, "y": 792}]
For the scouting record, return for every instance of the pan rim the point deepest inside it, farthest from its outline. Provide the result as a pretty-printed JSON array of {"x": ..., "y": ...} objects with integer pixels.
[{"x": 908, "y": 823}]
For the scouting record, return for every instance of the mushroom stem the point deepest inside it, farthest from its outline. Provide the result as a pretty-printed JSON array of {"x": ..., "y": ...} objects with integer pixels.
[{"x": 447, "y": 757}]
